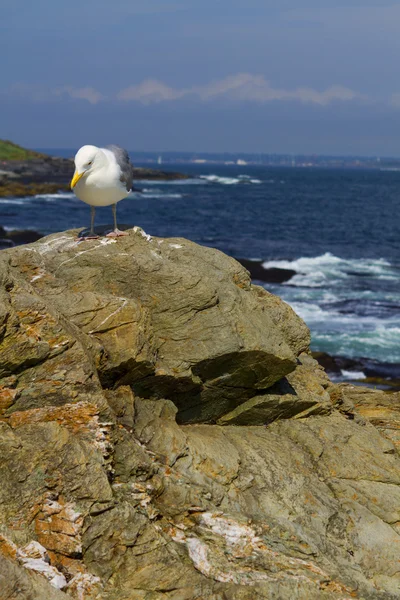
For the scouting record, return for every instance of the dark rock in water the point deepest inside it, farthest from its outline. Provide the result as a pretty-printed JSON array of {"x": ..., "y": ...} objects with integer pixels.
[
  {"x": 50, "y": 174},
  {"x": 140, "y": 173},
  {"x": 16, "y": 237},
  {"x": 117, "y": 357},
  {"x": 375, "y": 374},
  {"x": 5, "y": 243},
  {"x": 272, "y": 275},
  {"x": 22, "y": 236},
  {"x": 327, "y": 361},
  {"x": 10, "y": 188}
]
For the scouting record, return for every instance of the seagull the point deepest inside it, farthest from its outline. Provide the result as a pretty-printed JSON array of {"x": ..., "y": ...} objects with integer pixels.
[{"x": 103, "y": 176}]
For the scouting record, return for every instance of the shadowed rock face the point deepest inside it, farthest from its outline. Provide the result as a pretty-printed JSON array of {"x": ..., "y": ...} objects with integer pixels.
[{"x": 165, "y": 434}]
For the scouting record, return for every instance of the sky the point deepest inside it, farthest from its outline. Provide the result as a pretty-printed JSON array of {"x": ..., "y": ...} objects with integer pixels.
[{"x": 279, "y": 76}]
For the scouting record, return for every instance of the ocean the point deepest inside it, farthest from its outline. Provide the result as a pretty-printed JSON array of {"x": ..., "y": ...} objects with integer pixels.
[{"x": 338, "y": 229}]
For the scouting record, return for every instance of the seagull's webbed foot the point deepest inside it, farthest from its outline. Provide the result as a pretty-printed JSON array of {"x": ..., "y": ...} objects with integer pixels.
[{"x": 117, "y": 233}]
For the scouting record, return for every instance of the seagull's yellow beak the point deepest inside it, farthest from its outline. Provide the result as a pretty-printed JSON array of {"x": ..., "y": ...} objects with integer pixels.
[{"x": 76, "y": 178}]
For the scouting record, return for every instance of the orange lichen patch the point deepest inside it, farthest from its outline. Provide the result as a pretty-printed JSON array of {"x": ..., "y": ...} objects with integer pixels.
[
  {"x": 7, "y": 397},
  {"x": 79, "y": 417},
  {"x": 60, "y": 543},
  {"x": 241, "y": 281},
  {"x": 7, "y": 548},
  {"x": 55, "y": 525},
  {"x": 32, "y": 331},
  {"x": 33, "y": 316},
  {"x": 113, "y": 288},
  {"x": 380, "y": 413},
  {"x": 337, "y": 588},
  {"x": 67, "y": 564},
  {"x": 58, "y": 528}
]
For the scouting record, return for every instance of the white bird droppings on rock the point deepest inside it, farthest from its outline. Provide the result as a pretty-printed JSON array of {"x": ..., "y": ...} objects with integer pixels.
[
  {"x": 142, "y": 233},
  {"x": 34, "y": 556},
  {"x": 106, "y": 242},
  {"x": 82, "y": 584}
]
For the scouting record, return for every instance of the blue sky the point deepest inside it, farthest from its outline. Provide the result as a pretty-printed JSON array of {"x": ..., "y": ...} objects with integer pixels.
[{"x": 212, "y": 75}]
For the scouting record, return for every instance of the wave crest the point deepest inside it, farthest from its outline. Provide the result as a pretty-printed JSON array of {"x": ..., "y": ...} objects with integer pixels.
[
  {"x": 321, "y": 270},
  {"x": 243, "y": 179}
]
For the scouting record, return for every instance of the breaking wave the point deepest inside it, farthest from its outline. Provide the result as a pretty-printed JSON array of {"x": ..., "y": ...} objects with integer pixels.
[
  {"x": 150, "y": 194},
  {"x": 321, "y": 270},
  {"x": 350, "y": 305},
  {"x": 243, "y": 179},
  {"x": 190, "y": 181},
  {"x": 11, "y": 201},
  {"x": 57, "y": 196}
]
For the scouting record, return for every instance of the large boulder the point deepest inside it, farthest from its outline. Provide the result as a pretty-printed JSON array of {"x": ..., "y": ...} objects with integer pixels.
[
  {"x": 165, "y": 434},
  {"x": 168, "y": 317}
]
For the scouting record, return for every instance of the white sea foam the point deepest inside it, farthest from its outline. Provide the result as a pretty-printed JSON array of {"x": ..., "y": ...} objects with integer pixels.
[
  {"x": 249, "y": 179},
  {"x": 11, "y": 201},
  {"x": 381, "y": 342},
  {"x": 222, "y": 180},
  {"x": 151, "y": 194},
  {"x": 352, "y": 374},
  {"x": 163, "y": 196},
  {"x": 190, "y": 181},
  {"x": 333, "y": 319},
  {"x": 229, "y": 180},
  {"x": 319, "y": 271},
  {"x": 58, "y": 196}
]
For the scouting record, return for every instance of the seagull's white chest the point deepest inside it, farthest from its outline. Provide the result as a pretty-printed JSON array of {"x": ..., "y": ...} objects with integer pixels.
[{"x": 101, "y": 187}]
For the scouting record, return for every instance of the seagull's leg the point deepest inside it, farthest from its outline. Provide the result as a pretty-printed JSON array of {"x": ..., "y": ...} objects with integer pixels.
[
  {"x": 92, "y": 215},
  {"x": 116, "y": 232},
  {"x": 92, "y": 235}
]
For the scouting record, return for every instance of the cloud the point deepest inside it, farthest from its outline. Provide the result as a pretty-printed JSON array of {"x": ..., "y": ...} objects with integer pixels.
[
  {"x": 39, "y": 93},
  {"x": 36, "y": 93},
  {"x": 85, "y": 93},
  {"x": 395, "y": 100},
  {"x": 242, "y": 87},
  {"x": 150, "y": 92}
]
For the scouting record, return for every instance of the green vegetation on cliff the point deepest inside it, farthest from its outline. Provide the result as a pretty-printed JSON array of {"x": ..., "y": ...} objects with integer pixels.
[{"x": 11, "y": 151}]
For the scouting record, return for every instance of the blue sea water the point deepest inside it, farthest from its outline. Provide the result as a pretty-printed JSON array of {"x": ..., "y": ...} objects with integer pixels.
[{"x": 339, "y": 229}]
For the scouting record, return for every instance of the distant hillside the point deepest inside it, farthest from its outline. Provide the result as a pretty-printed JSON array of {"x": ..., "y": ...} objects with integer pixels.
[{"x": 11, "y": 151}]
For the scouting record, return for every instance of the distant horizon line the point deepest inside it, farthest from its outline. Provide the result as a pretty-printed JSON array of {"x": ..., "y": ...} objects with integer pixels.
[{"x": 238, "y": 154}]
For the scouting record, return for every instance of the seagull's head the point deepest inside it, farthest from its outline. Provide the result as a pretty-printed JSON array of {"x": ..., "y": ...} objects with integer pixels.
[{"x": 86, "y": 159}]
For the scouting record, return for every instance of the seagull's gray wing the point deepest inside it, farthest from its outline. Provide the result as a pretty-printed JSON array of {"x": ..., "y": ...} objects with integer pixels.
[{"x": 123, "y": 160}]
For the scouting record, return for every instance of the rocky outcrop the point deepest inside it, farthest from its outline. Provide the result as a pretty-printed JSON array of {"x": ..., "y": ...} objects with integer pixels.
[
  {"x": 270, "y": 275},
  {"x": 165, "y": 434},
  {"x": 12, "y": 189},
  {"x": 15, "y": 237},
  {"x": 385, "y": 376},
  {"x": 50, "y": 174}
]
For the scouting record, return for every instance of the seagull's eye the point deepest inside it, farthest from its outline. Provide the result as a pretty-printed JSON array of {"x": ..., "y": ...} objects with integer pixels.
[{"x": 90, "y": 162}]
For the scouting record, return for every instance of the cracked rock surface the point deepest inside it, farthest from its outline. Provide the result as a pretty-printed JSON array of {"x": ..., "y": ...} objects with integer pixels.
[{"x": 165, "y": 434}]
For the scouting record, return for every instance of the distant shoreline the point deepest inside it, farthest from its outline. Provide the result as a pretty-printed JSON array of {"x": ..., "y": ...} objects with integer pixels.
[
  {"x": 50, "y": 175},
  {"x": 240, "y": 159}
]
